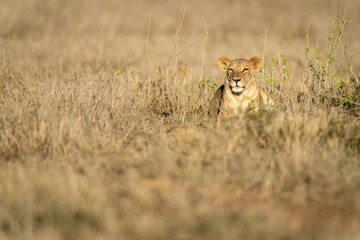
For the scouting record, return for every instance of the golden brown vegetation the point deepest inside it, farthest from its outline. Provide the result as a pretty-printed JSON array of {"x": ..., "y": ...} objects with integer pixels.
[{"x": 104, "y": 132}]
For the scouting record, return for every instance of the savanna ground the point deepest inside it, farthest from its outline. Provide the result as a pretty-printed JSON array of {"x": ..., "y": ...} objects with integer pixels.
[{"x": 104, "y": 131}]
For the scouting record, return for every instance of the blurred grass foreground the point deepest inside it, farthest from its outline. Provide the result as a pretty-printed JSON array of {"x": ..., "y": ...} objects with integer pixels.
[{"x": 104, "y": 131}]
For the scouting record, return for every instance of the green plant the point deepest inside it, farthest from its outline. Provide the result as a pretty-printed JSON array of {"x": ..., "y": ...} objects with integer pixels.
[
  {"x": 332, "y": 88},
  {"x": 208, "y": 83}
]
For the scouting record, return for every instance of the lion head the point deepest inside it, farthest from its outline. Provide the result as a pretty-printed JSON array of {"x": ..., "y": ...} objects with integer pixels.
[{"x": 239, "y": 72}]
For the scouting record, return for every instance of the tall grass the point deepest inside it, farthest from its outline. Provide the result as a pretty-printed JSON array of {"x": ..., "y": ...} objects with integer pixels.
[{"x": 104, "y": 131}]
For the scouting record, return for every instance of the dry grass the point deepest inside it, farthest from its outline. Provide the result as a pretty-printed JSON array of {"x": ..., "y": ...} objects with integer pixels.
[{"x": 104, "y": 132}]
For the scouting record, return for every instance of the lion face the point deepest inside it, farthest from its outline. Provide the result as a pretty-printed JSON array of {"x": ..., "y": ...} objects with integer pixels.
[{"x": 239, "y": 72}]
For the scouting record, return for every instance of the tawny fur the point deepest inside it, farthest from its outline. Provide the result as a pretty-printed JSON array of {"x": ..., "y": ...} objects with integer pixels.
[{"x": 240, "y": 91}]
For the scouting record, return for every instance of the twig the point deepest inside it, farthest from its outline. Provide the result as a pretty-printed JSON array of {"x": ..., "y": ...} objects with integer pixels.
[
  {"x": 147, "y": 38},
  {"x": 263, "y": 58}
]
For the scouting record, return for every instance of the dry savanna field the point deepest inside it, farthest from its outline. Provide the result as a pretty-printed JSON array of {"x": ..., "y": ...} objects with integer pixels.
[{"x": 104, "y": 132}]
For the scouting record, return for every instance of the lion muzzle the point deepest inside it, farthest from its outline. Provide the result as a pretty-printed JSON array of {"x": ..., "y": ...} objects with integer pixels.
[{"x": 237, "y": 89}]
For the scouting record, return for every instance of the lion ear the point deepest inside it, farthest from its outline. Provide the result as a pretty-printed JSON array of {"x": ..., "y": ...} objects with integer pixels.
[
  {"x": 223, "y": 63},
  {"x": 256, "y": 63}
]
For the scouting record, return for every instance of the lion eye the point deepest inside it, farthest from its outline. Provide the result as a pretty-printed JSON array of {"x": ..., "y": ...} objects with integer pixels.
[
  {"x": 231, "y": 70},
  {"x": 245, "y": 70}
]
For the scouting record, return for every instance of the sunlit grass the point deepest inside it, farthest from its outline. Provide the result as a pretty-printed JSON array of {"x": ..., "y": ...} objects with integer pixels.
[{"x": 104, "y": 131}]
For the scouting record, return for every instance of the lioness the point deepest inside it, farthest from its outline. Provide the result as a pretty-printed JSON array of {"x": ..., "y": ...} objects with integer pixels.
[{"x": 240, "y": 91}]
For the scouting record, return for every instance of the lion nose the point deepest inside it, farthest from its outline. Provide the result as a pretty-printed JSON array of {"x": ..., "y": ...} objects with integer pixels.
[{"x": 236, "y": 80}]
